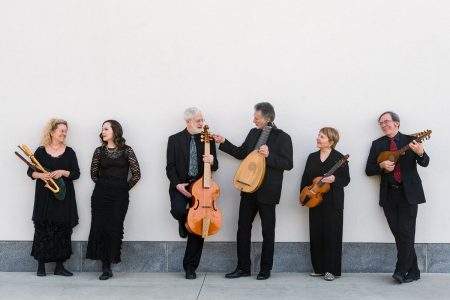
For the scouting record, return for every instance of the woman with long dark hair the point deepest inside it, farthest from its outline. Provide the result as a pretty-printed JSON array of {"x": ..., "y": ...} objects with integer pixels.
[
  {"x": 54, "y": 218},
  {"x": 110, "y": 168}
]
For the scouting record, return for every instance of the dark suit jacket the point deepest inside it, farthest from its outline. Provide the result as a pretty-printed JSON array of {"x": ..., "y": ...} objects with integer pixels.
[
  {"x": 177, "y": 167},
  {"x": 408, "y": 166},
  {"x": 279, "y": 159}
]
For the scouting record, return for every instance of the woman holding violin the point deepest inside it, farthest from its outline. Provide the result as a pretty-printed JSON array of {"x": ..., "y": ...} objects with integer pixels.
[
  {"x": 185, "y": 165},
  {"x": 110, "y": 167},
  {"x": 54, "y": 217},
  {"x": 326, "y": 219}
]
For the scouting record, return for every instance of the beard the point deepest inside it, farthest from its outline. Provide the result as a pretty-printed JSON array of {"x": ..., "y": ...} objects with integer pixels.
[{"x": 197, "y": 130}]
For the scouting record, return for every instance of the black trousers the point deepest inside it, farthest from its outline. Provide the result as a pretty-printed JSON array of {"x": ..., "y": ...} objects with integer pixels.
[
  {"x": 401, "y": 217},
  {"x": 194, "y": 246},
  {"x": 248, "y": 208},
  {"x": 325, "y": 231}
]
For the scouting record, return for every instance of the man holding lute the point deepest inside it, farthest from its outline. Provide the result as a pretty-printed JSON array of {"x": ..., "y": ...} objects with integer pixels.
[{"x": 260, "y": 181}]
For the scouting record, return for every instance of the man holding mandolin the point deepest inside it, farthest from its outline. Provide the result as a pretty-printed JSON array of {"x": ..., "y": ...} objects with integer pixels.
[
  {"x": 275, "y": 148},
  {"x": 400, "y": 189}
]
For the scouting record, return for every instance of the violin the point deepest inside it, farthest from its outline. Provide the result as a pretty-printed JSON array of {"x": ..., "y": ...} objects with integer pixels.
[
  {"x": 204, "y": 217},
  {"x": 312, "y": 195}
]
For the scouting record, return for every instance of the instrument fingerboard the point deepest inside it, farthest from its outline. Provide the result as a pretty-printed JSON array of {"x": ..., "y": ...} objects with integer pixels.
[
  {"x": 337, "y": 166},
  {"x": 263, "y": 137}
]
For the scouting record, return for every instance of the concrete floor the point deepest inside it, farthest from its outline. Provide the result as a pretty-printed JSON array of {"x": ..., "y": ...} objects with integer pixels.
[{"x": 132, "y": 286}]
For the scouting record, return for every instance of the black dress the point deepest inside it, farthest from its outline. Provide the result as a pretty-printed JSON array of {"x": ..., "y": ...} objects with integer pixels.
[
  {"x": 54, "y": 219},
  {"x": 109, "y": 201},
  {"x": 326, "y": 219}
]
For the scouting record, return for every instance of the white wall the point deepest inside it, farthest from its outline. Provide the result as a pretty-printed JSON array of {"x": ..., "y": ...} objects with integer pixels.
[{"x": 336, "y": 63}]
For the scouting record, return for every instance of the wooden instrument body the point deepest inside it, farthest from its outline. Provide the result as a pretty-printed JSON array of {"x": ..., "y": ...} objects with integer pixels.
[
  {"x": 394, "y": 156},
  {"x": 204, "y": 218},
  {"x": 312, "y": 195},
  {"x": 249, "y": 176},
  {"x": 203, "y": 209}
]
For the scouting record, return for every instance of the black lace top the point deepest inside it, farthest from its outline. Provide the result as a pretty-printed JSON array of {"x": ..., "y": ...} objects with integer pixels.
[{"x": 115, "y": 163}]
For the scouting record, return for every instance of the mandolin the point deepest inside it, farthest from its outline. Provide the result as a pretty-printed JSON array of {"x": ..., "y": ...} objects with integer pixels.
[
  {"x": 204, "y": 218},
  {"x": 395, "y": 155},
  {"x": 249, "y": 176},
  {"x": 312, "y": 195}
]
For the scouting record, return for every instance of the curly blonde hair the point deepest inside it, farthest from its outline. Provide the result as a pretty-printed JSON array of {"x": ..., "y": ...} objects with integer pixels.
[{"x": 50, "y": 127}]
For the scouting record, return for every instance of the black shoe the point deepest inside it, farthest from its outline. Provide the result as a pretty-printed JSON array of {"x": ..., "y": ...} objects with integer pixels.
[
  {"x": 60, "y": 270},
  {"x": 410, "y": 277},
  {"x": 41, "y": 270},
  {"x": 190, "y": 274},
  {"x": 399, "y": 276},
  {"x": 238, "y": 273},
  {"x": 263, "y": 276},
  {"x": 106, "y": 275},
  {"x": 182, "y": 231}
]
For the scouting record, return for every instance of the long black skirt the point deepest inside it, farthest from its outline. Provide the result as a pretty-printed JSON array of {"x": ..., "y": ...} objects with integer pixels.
[
  {"x": 52, "y": 241},
  {"x": 109, "y": 204},
  {"x": 325, "y": 231}
]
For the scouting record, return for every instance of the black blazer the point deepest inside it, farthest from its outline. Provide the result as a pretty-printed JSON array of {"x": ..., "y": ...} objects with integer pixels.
[
  {"x": 314, "y": 168},
  {"x": 177, "y": 167},
  {"x": 279, "y": 159},
  {"x": 412, "y": 183}
]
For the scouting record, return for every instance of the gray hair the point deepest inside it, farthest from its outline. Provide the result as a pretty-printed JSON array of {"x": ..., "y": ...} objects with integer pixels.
[
  {"x": 394, "y": 116},
  {"x": 266, "y": 109},
  {"x": 190, "y": 112}
]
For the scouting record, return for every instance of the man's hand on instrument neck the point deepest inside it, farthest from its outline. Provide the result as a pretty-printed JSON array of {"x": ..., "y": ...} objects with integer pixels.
[
  {"x": 417, "y": 148},
  {"x": 208, "y": 159},
  {"x": 181, "y": 187},
  {"x": 264, "y": 150}
]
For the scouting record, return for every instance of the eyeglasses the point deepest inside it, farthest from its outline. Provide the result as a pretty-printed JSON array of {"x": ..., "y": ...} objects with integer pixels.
[{"x": 385, "y": 122}]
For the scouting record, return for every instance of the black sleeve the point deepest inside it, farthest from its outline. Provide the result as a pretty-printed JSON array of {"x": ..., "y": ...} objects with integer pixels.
[
  {"x": 372, "y": 166},
  {"x": 74, "y": 168},
  {"x": 424, "y": 160},
  {"x": 37, "y": 154},
  {"x": 237, "y": 152},
  {"x": 215, "y": 165},
  {"x": 134, "y": 168},
  {"x": 305, "y": 177},
  {"x": 282, "y": 159},
  {"x": 171, "y": 169},
  {"x": 342, "y": 176},
  {"x": 95, "y": 164}
]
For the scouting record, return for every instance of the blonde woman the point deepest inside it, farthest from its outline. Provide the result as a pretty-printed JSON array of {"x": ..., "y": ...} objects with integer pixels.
[
  {"x": 54, "y": 219},
  {"x": 326, "y": 219}
]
